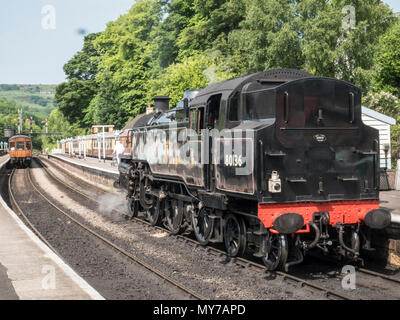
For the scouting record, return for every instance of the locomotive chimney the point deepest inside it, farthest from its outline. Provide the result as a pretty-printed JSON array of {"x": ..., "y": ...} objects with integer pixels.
[{"x": 161, "y": 103}]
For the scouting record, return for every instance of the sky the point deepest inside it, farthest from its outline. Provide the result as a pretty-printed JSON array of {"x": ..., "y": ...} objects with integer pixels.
[
  {"x": 33, "y": 49},
  {"x": 37, "y": 37}
]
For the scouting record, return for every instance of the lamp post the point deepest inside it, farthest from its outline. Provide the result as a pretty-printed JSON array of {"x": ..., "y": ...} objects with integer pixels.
[
  {"x": 72, "y": 144},
  {"x": 84, "y": 147},
  {"x": 80, "y": 147},
  {"x": 99, "y": 145},
  {"x": 386, "y": 149},
  {"x": 104, "y": 146}
]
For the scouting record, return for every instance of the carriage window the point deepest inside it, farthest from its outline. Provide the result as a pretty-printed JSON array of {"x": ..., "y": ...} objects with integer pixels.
[
  {"x": 28, "y": 146},
  {"x": 20, "y": 146},
  {"x": 259, "y": 105}
]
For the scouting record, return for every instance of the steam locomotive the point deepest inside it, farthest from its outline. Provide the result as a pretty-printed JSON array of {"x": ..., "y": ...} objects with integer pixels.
[{"x": 273, "y": 164}]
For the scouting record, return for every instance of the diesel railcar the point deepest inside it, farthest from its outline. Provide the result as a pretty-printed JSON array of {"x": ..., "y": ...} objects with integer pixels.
[
  {"x": 20, "y": 151},
  {"x": 274, "y": 163}
]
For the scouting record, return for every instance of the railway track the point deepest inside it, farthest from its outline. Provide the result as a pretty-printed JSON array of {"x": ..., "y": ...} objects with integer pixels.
[
  {"x": 242, "y": 262},
  {"x": 118, "y": 249},
  {"x": 22, "y": 215}
]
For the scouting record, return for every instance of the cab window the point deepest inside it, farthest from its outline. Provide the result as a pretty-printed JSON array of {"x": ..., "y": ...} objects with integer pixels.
[
  {"x": 193, "y": 122},
  {"x": 234, "y": 108},
  {"x": 200, "y": 119},
  {"x": 259, "y": 105},
  {"x": 28, "y": 145},
  {"x": 197, "y": 119},
  {"x": 12, "y": 145},
  {"x": 20, "y": 146}
]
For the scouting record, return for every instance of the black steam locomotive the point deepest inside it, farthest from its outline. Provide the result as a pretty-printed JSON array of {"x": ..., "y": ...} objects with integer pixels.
[{"x": 273, "y": 163}]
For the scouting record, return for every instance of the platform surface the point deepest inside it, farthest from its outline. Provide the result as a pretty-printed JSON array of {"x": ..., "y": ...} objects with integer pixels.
[
  {"x": 90, "y": 162},
  {"x": 29, "y": 270},
  {"x": 391, "y": 199}
]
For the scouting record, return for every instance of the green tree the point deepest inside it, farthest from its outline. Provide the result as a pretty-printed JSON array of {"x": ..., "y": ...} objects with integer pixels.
[
  {"x": 388, "y": 104},
  {"x": 164, "y": 44},
  {"x": 84, "y": 64},
  {"x": 126, "y": 53},
  {"x": 334, "y": 50},
  {"x": 211, "y": 23},
  {"x": 388, "y": 62},
  {"x": 74, "y": 96}
]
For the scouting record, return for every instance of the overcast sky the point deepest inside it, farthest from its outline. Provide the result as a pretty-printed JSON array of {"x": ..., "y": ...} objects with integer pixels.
[{"x": 35, "y": 46}]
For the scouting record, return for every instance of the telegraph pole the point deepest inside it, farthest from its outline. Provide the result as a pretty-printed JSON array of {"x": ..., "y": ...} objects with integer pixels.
[
  {"x": 31, "y": 125},
  {"x": 19, "y": 121}
]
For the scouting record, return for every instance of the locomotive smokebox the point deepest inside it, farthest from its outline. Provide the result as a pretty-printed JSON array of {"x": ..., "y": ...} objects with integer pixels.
[
  {"x": 161, "y": 103},
  {"x": 288, "y": 223},
  {"x": 378, "y": 219}
]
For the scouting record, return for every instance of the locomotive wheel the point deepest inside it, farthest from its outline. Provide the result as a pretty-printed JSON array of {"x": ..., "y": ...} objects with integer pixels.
[
  {"x": 133, "y": 207},
  {"x": 275, "y": 251},
  {"x": 235, "y": 236},
  {"x": 154, "y": 212},
  {"x": 174, "y": 215},
  {"x": 202, "y": 226}
]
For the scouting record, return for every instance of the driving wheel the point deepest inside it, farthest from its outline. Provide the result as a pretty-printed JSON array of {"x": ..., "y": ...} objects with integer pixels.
[
  {"x": 235, "y": 235},
  {"x": 202, "y": 225}
]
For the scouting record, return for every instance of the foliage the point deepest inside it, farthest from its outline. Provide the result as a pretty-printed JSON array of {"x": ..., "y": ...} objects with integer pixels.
[
  {"x": 74, "y": 96},
  {"x": 388, "y": 104},
  {"x": 9, "y": 116},
  {"x": 84, "y": 65},
  {"x": 194, "y": 72},
  {"x": 388, "y": 62},
  {"x": 125, "y": 59},
  {"x": 385, "y": 103},
  {"x": 168, "y": 46},
  {"x": 34, "y": 99}
]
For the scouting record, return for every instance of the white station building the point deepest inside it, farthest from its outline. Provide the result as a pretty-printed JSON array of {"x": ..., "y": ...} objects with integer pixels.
[{"x": 382, "y": 123}]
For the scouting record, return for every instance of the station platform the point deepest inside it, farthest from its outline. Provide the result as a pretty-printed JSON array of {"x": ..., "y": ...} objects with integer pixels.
[
  {"x": 391, "y": 200},
  {"x": 29, "y": 270},
  {"x": 106, "y": 166}
]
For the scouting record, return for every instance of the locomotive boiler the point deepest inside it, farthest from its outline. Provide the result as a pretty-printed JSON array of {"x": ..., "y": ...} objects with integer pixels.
[{"x": 274, "y": 163}]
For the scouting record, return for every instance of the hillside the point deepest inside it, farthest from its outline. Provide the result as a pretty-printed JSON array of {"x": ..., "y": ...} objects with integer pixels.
[{"x": 34, "y": 99}]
